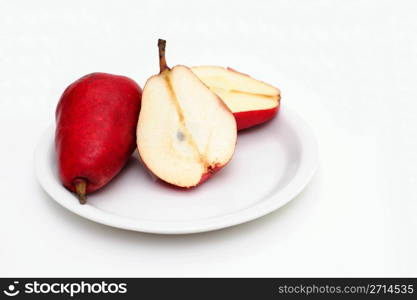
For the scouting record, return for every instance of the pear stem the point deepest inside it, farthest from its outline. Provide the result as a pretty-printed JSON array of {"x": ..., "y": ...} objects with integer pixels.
[
  {"x": 81, "y": 189},
  {"x": 162, "y": 61}
]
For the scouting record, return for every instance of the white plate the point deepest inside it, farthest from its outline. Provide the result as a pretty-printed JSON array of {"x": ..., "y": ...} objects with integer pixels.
[{"x": 271, "y": 165}]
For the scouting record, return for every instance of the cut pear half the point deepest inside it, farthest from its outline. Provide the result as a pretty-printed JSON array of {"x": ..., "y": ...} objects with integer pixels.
[
  {"x": 185, "y": 132},
  {"x": 252, "y": 101}
]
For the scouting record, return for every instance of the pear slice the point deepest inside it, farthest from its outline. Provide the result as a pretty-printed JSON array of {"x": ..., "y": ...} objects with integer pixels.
[
  {"x": 252, "y": 101},
  {"x": 185, "y": 132}
]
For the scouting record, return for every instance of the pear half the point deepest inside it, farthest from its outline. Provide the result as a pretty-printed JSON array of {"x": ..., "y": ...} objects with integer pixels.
[
  {"x": 185, "y": 132},
  {"x": 252, "y": 101}
]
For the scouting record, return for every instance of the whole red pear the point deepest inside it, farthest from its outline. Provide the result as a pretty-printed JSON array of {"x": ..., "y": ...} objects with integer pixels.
[{"x": 96, "y": 120}]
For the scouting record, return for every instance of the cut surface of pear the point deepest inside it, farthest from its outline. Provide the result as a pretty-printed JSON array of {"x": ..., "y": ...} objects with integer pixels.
[
  {"x": 241, "y": 93},
  {"x": 185, "y": 132}
]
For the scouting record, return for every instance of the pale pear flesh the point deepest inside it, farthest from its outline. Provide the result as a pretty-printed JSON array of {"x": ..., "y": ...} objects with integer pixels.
[
  {"x": 240, "y": 92},
  {"x": 184, "y": 131}
]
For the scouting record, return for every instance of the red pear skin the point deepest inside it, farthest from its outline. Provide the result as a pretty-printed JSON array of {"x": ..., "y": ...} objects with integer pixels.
[
  {"x": 248, "y": 119},
  {"x": 95, "y": 135}
]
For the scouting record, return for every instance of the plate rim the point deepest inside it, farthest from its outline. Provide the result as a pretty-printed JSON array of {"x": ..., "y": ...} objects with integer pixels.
[{"x": 309, "y": 159}]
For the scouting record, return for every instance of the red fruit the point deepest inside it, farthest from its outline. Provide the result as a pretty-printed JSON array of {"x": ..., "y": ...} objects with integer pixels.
[
  {"x": 95, "y": 134},
  {"x": 252, "y": 101},
  {"x": 248, "y": 119}
]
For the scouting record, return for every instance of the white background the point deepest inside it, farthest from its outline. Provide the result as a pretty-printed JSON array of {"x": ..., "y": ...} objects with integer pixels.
[{"x": 356, "y": 61}]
